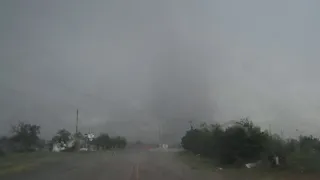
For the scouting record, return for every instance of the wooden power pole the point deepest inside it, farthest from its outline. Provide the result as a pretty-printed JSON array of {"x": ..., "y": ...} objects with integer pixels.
[{"x": 77, "y": 121}]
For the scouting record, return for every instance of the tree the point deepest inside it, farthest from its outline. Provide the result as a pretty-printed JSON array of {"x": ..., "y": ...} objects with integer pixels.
[
  {"x": 62, "y": 136},
  {"x": 26, "y": 135},
  {"x": 102, "y": 141},
  {"x": 239, "y": 143},
  {"x": 118, "y": 142}
]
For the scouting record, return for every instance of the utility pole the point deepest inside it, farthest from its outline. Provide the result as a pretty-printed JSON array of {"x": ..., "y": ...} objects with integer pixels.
[
  {"x": 191, "y": 125},
  {"x": 270, "y": 129},
  {"x": 77, "y": 121},
  {"x": 159, "y": 133},
  {"x": 282, "y": 134}
]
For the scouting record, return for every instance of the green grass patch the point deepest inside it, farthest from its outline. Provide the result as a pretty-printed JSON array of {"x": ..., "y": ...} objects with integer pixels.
[
  {"x": 18, "y": 162},
  {"x": 209, "y": 165},
  {"x": 15, "y": 168},
  {"x": 196, "y": 162}
]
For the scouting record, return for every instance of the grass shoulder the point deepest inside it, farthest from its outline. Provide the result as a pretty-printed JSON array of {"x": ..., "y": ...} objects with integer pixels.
[
  {"x": 18, "y": 162},
  {"x": 199, "y": 163}
]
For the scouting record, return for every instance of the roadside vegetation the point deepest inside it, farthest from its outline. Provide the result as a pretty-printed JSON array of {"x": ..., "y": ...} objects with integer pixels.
[
  {"x": 104, "y": 142},
  {"x": 26, "y": 138},
  {"x": 18, "y": 162},
  {"x": 24, "y": 149},
  {"x": 244, "y": 142}
]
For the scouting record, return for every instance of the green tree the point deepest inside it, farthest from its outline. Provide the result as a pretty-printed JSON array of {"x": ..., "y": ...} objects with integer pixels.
[
  {"x": 102, "y": 141},
  {"x": 26, "y": 135},
  {"x": 118, "y": 142},
  {"x": 62, "y": 136},
  {"x": 238, "y": 143}
]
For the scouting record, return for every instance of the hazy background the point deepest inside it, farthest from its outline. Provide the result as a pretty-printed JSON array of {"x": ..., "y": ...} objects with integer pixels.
[{"x": 134, "y": 67}]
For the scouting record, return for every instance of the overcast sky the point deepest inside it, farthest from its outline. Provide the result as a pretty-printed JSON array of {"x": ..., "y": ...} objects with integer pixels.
[{"x": 134, "y": 66}]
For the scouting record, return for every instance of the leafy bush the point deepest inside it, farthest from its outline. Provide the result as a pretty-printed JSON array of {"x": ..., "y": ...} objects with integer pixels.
[
  {"x": 239, "y": 143},
  {"x": 245, "y": 142}
]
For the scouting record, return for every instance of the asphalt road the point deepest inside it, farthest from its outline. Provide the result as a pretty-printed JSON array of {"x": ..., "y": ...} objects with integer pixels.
[{"x": 124, "y": 165}]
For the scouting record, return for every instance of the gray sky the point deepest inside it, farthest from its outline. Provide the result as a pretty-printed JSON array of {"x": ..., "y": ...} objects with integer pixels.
[{"x": 132, "y": 65}]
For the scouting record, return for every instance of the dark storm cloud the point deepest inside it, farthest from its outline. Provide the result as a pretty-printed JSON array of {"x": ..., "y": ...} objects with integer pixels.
[{"x": 134, "y": 66}]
